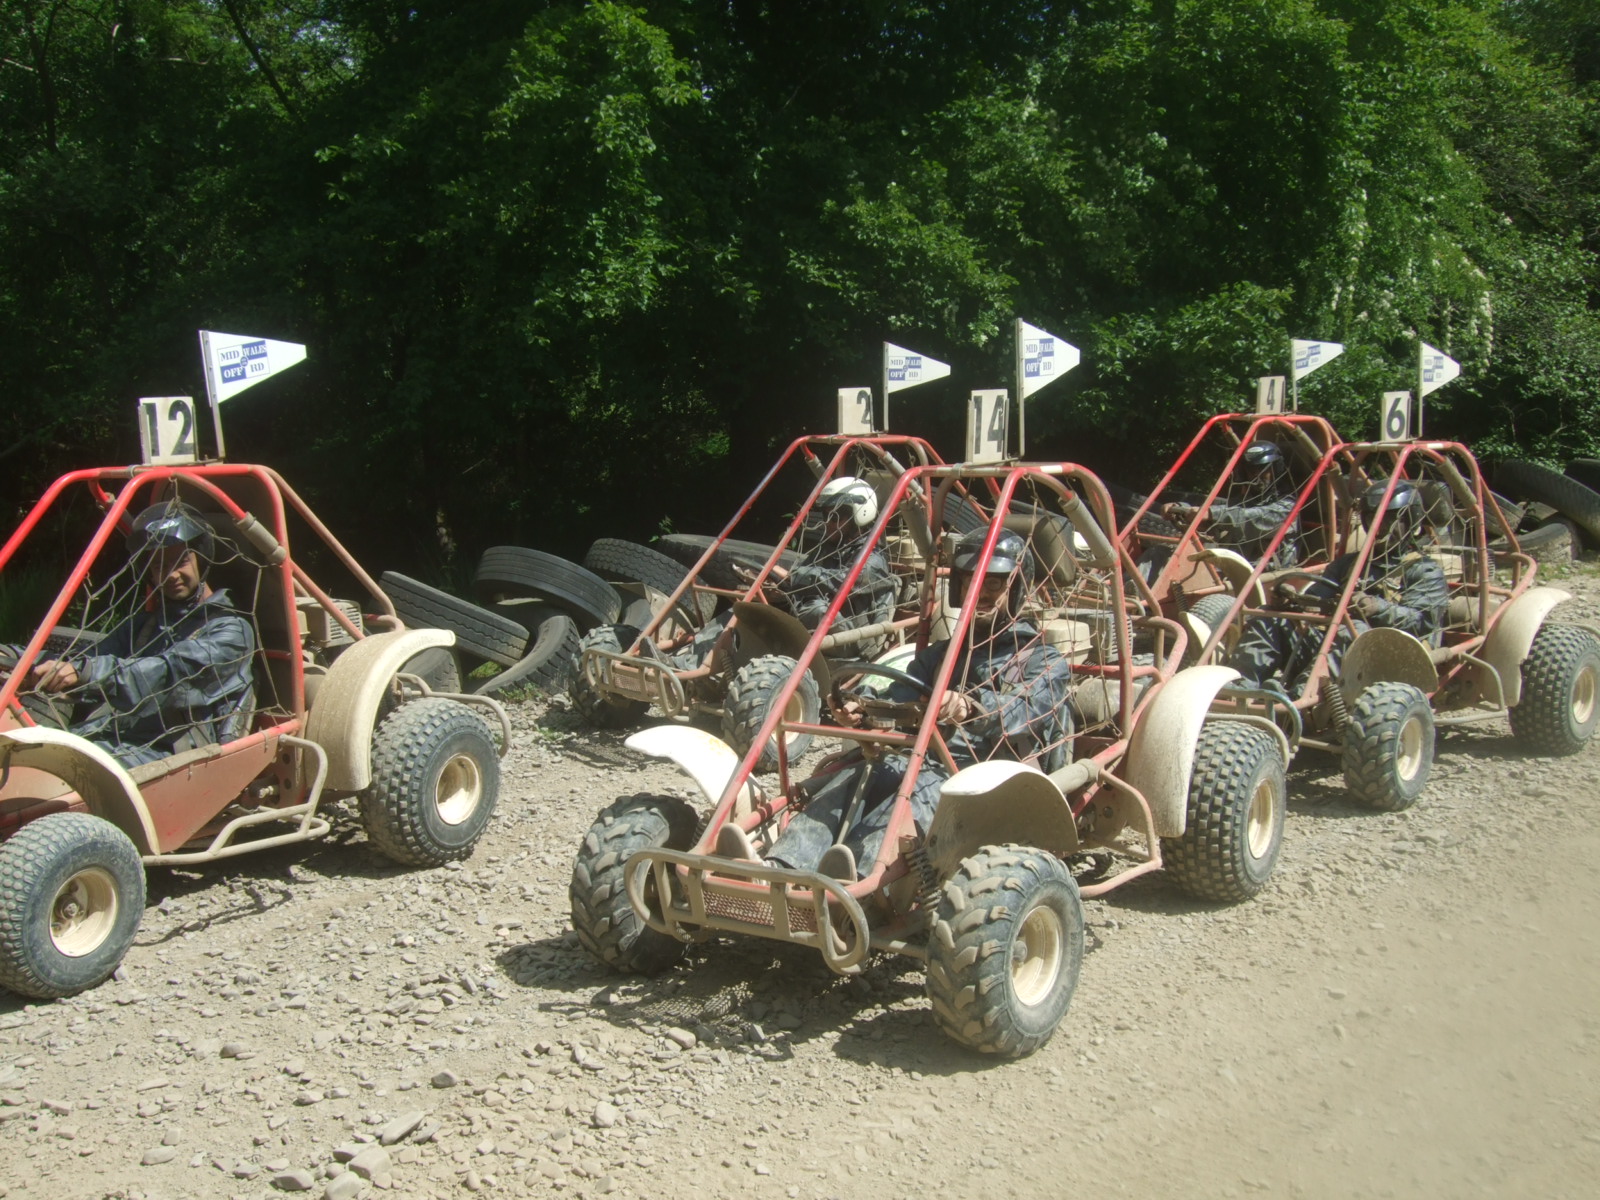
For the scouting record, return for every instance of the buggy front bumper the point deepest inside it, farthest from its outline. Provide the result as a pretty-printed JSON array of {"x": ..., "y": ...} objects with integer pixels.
[{"x": 703, "y": 891}]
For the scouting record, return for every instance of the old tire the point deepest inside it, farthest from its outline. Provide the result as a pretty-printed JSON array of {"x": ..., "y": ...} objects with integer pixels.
[
  {"x": 604, "y": 920},
  {"x": 547, "y": 665},
  {"x": 478, "y": 630},
  {"x": 1586, "y": 471},
  {"x": 1388, "y": 746},
  {"x": 1005, "y": 950},
  {"x": 72, "y": 894},
  {"x": 435, "y": 780},
  {"x": 750, "y": 697},
  {"x": 620, "y": 562},
  {"x": 437, "y": 667},
  {"x": 577, "y": 591},
  {"x": 1558, "y": 710},
  {"x": 598, "y": 708},
  {"x": 719, "y": 571},
  {"x": 1237, "y": 803},
  {"x": 1531, "y": 481}
]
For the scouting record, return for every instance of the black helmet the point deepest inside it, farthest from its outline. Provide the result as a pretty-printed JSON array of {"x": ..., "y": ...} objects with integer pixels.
[
  {"x": 1402, "y": 514},
  {"x": 1260, "y": 476},
  {"x": 1263, "y": 459},
  {"x": 1009, "y": 552},
  {"x": 167, "y": 525},
  {"x": 1404, "y": 496}
]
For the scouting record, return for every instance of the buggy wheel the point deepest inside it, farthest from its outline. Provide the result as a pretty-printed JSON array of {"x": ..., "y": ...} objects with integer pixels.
[
  {"x": 597, "y": 707},
  {"x": 435, "y": 780},
  {"x": 1560, "y": 679},
  {"x": 72, "y": 893},
  {"x": 750, "y": 698},
  {"x": 1212, "y": 611},
  {"x": 1006, "y": 947},
  {"x": 1388, "y": 747},
  {"x": 602, "y": 916},
  {"x": 1237, "y": 799}
]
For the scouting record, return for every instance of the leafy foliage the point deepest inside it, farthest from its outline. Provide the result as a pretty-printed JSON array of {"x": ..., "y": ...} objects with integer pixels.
[{"x": 570, "y": 269}]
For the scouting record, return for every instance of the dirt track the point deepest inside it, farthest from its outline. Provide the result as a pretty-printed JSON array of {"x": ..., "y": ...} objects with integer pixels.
[{"x": 1408, "y": 1010}]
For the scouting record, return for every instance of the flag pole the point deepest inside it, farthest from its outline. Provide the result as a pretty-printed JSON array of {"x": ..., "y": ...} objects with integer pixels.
[
  {"x": 211, "y": 393},
  {"x": 1022, "y": 400}
]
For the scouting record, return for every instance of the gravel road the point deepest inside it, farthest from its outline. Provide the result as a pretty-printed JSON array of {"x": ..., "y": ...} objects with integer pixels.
[{"x": 1408, "y": 1010}]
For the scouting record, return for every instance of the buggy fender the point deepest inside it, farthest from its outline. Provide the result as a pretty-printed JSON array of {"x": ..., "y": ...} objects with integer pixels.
[
  {"x": 102, "y": 783},
  {"x": 993, "y": 803},
  {"x": 1235, "y": 569},
  {"x": 704, "y": 758},
  {"x": 1391, "y": 655},
  {"x": 346, "y": 707},
  {"x": 1161, "y": 753},
  {"x": 761, "y": 629},
  {"x": 1516, "y": 625}
]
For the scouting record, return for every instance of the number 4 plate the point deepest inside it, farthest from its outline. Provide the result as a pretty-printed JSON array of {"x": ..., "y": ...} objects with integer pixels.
[{"x": 166, "y": 430}]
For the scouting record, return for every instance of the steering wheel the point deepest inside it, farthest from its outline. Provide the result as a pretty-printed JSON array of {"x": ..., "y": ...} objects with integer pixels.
[
  {"x": 1295, "y": 599},
  {"x": 844, "y": 670},
  {"x": 876, "y": 711}
]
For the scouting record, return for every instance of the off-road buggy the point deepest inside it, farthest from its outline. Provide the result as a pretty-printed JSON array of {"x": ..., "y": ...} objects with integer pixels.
[
  {"x": 1125, "y": 770},
  {"x": 1195, "y": 563},
  {"x": 1373, "y": 695},
  {"x": 721, "y": 642},
  {"x": 336, "y": 706}
]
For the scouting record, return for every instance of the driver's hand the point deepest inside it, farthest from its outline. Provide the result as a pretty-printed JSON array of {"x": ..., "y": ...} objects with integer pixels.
[
  {"x": 956, "y": 707},
  {"x": 54, "y": 675},
  {"x": 1367, "y": 606},
  {"x": 848, "y": 713},
  {"x": 1178, "y": 511}
]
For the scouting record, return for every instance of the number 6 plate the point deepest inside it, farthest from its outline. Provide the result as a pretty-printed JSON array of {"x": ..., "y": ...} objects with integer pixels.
[{"x": 166, "y": 430}]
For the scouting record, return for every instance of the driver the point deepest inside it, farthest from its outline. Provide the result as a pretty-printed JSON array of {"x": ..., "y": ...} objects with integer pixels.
[
  {"x": 1401, "y": 588},
  {"x": 830, "y": 541},
  {"x": 177, "y": 673},
  {"x": 1260, "y": 499},
  {"x": 1007, "y": 698}
]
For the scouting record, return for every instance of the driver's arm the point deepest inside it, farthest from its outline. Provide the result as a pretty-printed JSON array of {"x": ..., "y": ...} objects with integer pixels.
[{"x": 198, "y": 664}]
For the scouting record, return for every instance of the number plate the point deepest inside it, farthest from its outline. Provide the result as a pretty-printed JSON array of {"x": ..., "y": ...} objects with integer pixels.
[
  {"x": 1394, "y": 420},
  {"x": 988, "y": 417},
  {"x": 1269, "y": 395},
  {"x": 166, "y": 430},
  {"x": 855, "y": 411}
]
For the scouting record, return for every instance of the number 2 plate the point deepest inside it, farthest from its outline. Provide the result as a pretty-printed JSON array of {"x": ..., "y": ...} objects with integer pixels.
[
  {"x": 166, "y": 430},
  {"x": 855, "y": 411}
]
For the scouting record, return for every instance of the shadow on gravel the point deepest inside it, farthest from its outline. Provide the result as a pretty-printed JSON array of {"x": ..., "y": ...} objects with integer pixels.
[{"x": 757, "y": 997}]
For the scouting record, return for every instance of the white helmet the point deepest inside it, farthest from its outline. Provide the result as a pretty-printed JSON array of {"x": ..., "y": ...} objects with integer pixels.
[{"x": 852, "y": 495}]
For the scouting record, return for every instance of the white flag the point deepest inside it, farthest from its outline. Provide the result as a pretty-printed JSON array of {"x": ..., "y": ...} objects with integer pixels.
[
  {"x": 1041, "y": 358},
  {"x": 904, "y": 368},
  {"x": 235, "y": 361},
  {"x": 1308, "y": 356},
  {"x": 1437, "y": 369}
]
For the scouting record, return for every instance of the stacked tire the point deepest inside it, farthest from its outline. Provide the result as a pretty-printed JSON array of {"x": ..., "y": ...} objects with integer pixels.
[
  {"x": 1558, "y": 512},
  {"x": 555, "y": 599}
]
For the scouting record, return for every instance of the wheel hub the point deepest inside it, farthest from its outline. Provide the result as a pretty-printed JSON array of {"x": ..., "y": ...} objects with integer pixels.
[
  {"x": 1263, "y": 818},
  {"x": 1036, "y": 955},
  {"x": 1583, "y": 696},
  {"x": 1408, "y": 753},
  {"x": 459, "y": 790},
  {"x": 84, "y": 912}
]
